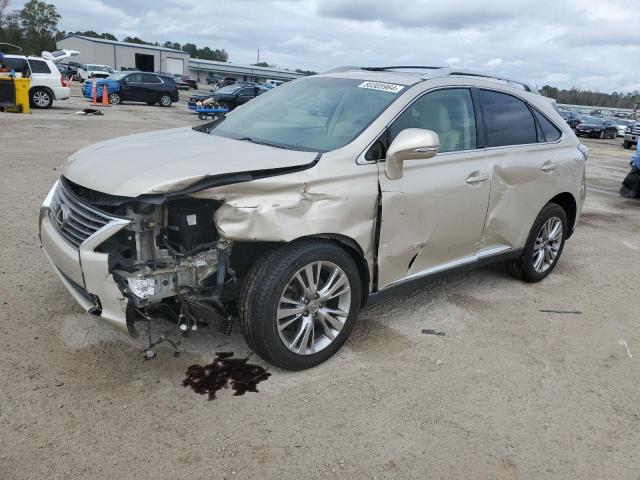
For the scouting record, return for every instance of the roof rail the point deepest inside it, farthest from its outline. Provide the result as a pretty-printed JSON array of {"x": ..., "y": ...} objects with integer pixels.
[
  {"x": 439, "y": 72},
  {"x": 464, "y": 73},
  {"x": 398, "y": 67}
]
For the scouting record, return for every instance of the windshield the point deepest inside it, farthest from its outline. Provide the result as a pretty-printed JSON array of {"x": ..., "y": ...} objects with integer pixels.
[
  {"x": 624, "y": 122},
  {"x": 594, "y": 120},
  {"x": 99, "y": 68},
  {"x": 315, "y": 114}
]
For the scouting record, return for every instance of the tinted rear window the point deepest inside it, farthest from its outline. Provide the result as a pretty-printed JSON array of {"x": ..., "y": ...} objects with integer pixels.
[
  {"x": 508, "y": 120},
  {"x": 39, "y": 66},
  {"x": 549, "y": 130}
]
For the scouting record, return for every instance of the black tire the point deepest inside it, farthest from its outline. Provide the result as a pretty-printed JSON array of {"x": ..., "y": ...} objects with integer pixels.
[
  {"x": 40, "y": 98},
  {"x": 114, "y": 99},
  {"x": 165, "y": 101},
  {"x": 522, "y": 268},
  {"x": 260, "y": 295},
  {"x": 626, "y": 144},
  {"x": 202, "y": 116}
]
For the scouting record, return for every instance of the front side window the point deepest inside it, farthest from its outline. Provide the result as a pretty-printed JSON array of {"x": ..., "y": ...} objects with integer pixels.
[
  {"x": 134, "y": 78},
  {"x": 508, "y": 120},
  {"x": 315, "y": 114},
  {"x": 18, "y": 65},
  {"x": 447, "y": 112},
  {"x": 39, "y": 66}
]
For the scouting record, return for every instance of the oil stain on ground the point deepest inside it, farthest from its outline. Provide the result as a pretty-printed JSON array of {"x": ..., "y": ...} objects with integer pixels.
[{"x": 223, "y": 372}]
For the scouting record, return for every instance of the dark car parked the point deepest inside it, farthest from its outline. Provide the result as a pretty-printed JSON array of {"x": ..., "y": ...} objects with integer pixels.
[
  {"x": 572, "y": 118},
  {"x": 150, "y": 88},
  {"x": 189, "y": 80},
  {"x": 213, "y": 79},
  {"x": 230, "y": 96},
  {"x": 598, "y": 127}
]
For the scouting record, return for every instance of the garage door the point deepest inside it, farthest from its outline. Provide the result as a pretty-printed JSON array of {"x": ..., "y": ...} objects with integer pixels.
[{"x": 175, "y": 65}]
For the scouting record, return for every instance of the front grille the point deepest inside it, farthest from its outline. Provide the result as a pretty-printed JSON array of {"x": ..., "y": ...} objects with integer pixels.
[{"x": 74, "y": 220}]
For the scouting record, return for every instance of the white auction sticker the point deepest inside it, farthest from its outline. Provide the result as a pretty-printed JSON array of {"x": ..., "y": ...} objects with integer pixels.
[{"x": 385, "y": 87}]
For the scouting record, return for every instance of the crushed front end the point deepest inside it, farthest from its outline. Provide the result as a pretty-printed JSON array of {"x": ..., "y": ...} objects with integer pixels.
[{"x": 131, "y": 259}]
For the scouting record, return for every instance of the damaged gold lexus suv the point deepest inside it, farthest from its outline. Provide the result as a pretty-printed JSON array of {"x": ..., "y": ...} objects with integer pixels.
[{"x": 286, "y": 216}]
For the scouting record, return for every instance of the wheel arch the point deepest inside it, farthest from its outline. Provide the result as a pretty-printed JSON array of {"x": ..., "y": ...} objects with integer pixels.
[
  {"x": 245, "y": 254},
  {"x": 355, "y": 252},
  {"x": 568, "y": 203},
  {"x": 47, "y": 89}
]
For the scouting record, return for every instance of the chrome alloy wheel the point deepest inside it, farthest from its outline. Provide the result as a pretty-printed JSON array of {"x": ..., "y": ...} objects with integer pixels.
[
  {"x": 41, "y": 99},
  {"x": 313, "y": 307},
  {"x": 547, "y": 245}
]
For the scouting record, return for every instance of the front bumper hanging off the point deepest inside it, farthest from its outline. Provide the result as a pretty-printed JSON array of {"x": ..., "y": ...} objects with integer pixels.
[{"x": 83, "y": 271}]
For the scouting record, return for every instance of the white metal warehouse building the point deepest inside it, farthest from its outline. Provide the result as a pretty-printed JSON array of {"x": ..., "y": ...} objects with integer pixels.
[
  {"x": 119, "y": 55},
  {"x": 148, "y": 58}
]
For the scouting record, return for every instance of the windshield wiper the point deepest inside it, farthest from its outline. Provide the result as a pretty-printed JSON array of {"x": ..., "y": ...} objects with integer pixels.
[{"x": 260, "y": 142}]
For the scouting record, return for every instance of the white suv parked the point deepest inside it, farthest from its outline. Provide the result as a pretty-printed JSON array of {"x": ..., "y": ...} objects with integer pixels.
[
  {"x": 47, "y": 84},
  {"x": 290, "y": 213}
]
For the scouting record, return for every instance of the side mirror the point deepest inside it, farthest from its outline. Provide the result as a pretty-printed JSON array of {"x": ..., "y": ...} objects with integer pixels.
[{"x": 410, "y": 144}]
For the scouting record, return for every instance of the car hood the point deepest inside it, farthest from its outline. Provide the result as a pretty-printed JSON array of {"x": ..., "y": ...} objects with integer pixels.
[
  {"x": 591, "y": 125},
  {"x": 170, "y": 160}
]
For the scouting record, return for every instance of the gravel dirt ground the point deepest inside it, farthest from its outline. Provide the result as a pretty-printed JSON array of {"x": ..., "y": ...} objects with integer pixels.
[{"x": 509, "y": 391}]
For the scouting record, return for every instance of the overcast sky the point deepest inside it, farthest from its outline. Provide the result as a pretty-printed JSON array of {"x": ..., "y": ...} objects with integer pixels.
[{"x": 586, "y": 43}]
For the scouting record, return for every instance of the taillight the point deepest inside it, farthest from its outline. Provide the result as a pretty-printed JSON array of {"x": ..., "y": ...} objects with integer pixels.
[
  {"x": 584, "y": 150},
  {"x": 63, "y": 82}
]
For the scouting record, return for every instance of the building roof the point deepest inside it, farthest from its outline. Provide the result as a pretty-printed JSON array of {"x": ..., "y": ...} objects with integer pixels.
[
  {"x": 126, "y": 44},
  {"x": 213, "y": 65}
]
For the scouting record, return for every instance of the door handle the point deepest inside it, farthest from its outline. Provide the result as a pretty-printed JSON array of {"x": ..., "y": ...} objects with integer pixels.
[
  {"x": 476, "y": 177},
  {"x": 549, "y": 166}
]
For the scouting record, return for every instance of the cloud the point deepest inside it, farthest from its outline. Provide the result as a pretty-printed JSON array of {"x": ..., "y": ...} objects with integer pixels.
[{"x": 584, "y": 43}]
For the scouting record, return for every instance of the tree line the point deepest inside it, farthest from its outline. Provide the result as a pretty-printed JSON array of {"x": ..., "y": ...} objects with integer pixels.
[{"x": 577, "y": 96}]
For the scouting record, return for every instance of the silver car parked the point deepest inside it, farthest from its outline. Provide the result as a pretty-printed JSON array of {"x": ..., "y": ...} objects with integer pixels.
[{"x": 292, "y": 212}]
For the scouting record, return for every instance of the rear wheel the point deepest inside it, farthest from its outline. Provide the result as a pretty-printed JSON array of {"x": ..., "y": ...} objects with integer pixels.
[
  {"x": 544, "y": 245},
  {"x": 41, "y": 98},
  {"x": 164, "y": 101},
  {"x": 626, "y": 144},
  {"x": 298, "y": 305}
]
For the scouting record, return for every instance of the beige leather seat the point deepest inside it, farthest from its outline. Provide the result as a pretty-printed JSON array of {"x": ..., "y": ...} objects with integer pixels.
[{"x": 434, "y": 115}]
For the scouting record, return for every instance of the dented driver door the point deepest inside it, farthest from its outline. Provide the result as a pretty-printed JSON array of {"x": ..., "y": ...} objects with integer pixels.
[{"x": 432, "y": 217}]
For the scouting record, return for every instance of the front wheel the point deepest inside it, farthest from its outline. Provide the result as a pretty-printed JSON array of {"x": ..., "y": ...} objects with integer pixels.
[
  {"x": 165, "y": 101},
  {"x": 114, "y": 99},
  {"x": 299, "y": 303},
  {"x": 544, "y": 245}
]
